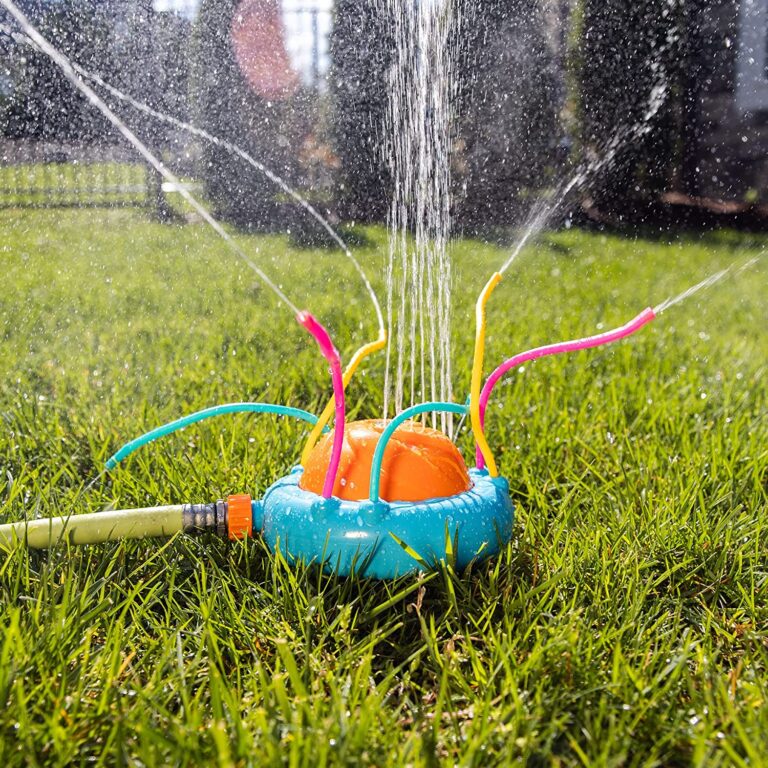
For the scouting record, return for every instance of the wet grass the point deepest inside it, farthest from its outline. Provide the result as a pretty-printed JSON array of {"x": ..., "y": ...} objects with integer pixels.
[{"x": 625, "y": 624}]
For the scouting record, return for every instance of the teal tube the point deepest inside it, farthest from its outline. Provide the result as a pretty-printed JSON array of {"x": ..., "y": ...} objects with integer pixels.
[
  {"x": 416, "y": 410},
  {"x": 207, "y": 413}
]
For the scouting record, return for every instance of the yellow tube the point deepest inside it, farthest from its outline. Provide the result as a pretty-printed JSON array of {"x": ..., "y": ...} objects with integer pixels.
[
  {"x": 349, "y": 372},
  {"x": 477, "y": 374},
  {"x": 94, "y": 527}
]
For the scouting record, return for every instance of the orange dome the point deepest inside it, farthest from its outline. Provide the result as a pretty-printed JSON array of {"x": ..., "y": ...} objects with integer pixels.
[{"x": 419, "y": 463}]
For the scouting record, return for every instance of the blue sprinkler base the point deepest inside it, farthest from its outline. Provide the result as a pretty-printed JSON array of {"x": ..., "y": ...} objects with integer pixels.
[{"x": 386, "y": 539}]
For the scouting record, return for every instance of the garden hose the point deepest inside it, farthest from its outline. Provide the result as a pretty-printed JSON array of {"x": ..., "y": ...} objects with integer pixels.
[{"x": 231, "y": 519}]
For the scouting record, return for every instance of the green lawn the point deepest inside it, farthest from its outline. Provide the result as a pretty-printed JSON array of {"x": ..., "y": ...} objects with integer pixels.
[{"x": 625, "y": 624}]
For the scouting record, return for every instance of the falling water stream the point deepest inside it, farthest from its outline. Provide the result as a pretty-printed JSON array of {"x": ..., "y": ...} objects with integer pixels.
[
  {"x": 422, "y": 87},
  {"x": 422, "y": 91}
]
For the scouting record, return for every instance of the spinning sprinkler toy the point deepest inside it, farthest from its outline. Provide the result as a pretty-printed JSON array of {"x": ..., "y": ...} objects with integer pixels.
[{"x": 379, "y": 497}]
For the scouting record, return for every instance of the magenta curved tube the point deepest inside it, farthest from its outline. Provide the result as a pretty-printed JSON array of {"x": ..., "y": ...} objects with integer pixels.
[
  {"x": 608, "y": 337},
  {"x": 331, "y": 354}
]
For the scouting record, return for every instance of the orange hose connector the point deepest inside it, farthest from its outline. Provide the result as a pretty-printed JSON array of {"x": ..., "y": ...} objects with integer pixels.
[{"x": 239, "y": 516}]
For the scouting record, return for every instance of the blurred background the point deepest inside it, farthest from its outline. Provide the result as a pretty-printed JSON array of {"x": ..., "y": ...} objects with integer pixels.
[{"x": 541, "y": 88}]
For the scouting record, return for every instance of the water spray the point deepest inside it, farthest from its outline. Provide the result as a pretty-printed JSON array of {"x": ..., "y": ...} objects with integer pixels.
[
  {"x": 65, "y": 65},
  {"x": 707, "y": 282},
  {"x": 193, "y": 130},
  {"x": 546, "y": 208},
  {"x": 71, "y": 71}
]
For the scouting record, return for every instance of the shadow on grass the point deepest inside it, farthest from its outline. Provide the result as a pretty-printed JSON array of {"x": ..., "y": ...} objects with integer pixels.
[
  {"x": 309, "y": 235},
  {"x": 401, "y": 617}
]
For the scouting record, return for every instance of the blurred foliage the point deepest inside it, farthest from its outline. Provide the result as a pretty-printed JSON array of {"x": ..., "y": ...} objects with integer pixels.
[
  {"x": 271, "y": 130},
  {"x": 360, "y": 56},
  {"x": 511, "y": 142},
  {"x": 38, "y": 102},
  {"x": 508, "y": 107},
  {"x": 625, "y": 57},
  {"x": 127, "y": 44}
]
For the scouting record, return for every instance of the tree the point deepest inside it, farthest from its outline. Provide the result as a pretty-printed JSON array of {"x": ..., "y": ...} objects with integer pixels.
[
  {"x": 629, "y": 62},
  {"x": 507, "y": 110},
  {"x": 154, "y": 49},
  {"x": 269, "y": 127},
  {"x": 41, "y": 103},
  {"x": 360, "y": 56}
]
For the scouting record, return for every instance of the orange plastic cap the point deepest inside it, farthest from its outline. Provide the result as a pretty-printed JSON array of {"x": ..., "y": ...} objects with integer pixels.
[
  {"x": 239, "y": 516},
  {"x": 419, "y": 463}
]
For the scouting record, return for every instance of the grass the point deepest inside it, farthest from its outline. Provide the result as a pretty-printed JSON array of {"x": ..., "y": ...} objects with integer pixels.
[{"x": 625, "y": 624}]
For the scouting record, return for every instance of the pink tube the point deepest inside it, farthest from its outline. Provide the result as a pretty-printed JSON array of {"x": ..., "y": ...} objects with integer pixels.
[
  {"x": 608, "y": 337},
  {"x": 331, "y": 354}
]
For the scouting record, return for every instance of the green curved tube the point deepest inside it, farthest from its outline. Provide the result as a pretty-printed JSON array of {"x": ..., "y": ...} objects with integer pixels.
[
  {"x": 378, "y": 455},
  {"x": 207, "y": 413},
  {"x": 94, "y": 527}
]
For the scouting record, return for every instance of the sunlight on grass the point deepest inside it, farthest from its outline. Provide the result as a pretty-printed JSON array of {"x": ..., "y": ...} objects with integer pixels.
[{"x": 625, "y": 624}]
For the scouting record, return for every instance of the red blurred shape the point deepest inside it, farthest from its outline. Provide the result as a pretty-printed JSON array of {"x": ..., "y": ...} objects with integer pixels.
[{"x": 258, "y": 38}]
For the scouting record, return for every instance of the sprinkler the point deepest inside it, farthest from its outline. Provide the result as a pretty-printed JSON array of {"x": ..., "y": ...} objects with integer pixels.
[{"x": 381, "y": 498}]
